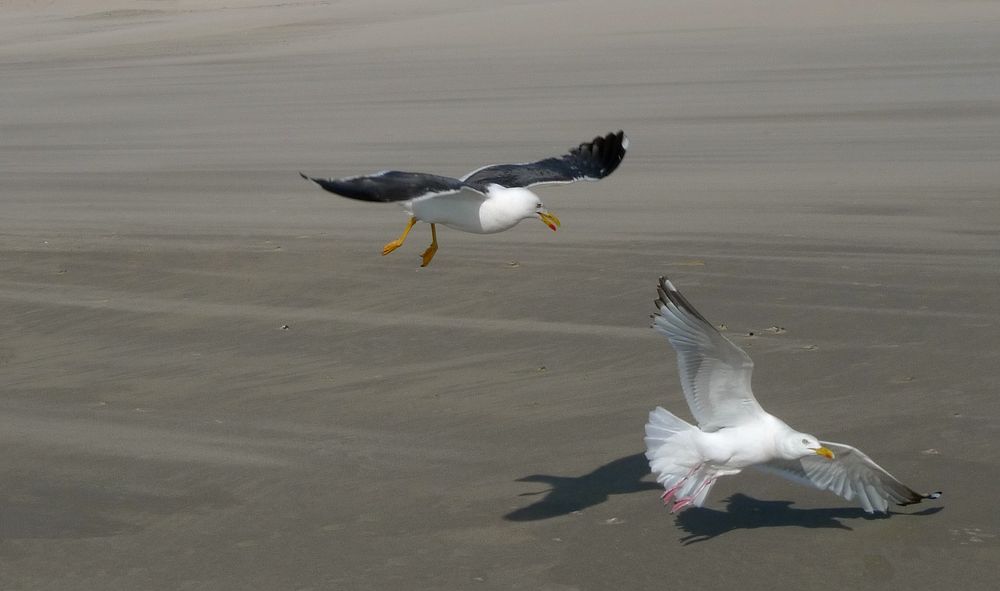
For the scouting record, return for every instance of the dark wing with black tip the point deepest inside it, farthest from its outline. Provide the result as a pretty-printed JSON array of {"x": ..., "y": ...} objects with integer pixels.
[
  {"x": 589, "y": 161},
  {"x": 390, "y": 185}
]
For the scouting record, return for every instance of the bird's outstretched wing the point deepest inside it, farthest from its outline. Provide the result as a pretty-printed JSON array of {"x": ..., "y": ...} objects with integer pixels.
[
  {"x": 715, "y": 373},
  {"x": 851, "y": 474},
  {"x": 589, "y": 161},
  {"x": 390, "y": 185}
]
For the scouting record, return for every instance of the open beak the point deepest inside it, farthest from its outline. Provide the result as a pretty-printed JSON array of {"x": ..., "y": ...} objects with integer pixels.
[
  {"x": 822, "y": 451},
  {"x": 550, "y": 220}
]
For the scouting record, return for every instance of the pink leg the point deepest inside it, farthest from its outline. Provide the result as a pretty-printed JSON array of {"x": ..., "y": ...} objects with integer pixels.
[
  {"x": 670, "y": 492},
  {"x": 685, "y": 501},
  {"x": 706, "y": 482}
]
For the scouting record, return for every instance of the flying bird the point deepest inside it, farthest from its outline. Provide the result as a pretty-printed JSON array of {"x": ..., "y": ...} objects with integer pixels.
[
  {"x": 490, "y": 199},
  {"x": 734, "y": 432}
]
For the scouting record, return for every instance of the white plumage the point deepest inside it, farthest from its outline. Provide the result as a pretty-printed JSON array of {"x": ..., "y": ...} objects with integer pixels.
[
  {"x": 734, "y": 432},
  {"x": 496, "y": 210}
]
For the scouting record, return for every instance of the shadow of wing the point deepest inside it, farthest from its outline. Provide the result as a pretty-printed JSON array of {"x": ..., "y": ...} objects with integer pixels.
[
  {"x": 743, "y": 512},
  {"x": 568, "y": 494}
]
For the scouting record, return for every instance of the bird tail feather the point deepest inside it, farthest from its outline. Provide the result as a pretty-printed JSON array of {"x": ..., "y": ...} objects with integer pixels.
[
  {"x": 674, "y": 459},
  {"x": 663, "y": 425}
]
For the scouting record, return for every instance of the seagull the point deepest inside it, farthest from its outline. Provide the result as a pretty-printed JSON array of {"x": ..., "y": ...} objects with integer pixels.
[
  {"x": 734, "y": 432},
  {"x": 490, "y": 199}
]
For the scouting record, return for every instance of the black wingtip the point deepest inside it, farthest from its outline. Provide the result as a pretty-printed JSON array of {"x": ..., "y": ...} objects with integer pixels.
[
  {"x": 916, "y": 497},
  {"x": 607, "y": 151},
  {"x": 669, "y": 293}
]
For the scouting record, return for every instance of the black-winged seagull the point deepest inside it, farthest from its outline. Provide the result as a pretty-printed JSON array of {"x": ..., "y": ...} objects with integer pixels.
[
  {"x": 490, "y": 199},
  {"x": 734, "y": 432}
]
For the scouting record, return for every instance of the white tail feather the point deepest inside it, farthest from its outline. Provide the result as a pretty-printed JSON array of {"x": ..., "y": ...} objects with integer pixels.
[
  {"x": 662, "y": 426},
  {"x": 674, "y": 458}
]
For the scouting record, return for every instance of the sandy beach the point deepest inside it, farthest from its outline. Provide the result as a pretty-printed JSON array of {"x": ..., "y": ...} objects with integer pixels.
[{"x": 211, "y": 380}]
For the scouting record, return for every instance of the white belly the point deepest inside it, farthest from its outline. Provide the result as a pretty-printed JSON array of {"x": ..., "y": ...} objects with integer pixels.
[
  {"x": 455, "y": 211},
  {"x": 737, "y": 447},
  {"x": 467, "y": 211}
]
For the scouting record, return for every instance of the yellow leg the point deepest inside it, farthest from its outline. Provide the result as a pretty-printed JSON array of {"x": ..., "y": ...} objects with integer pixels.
[
  {"x": 391, "y": 246},
  {"x": 433, "y": 248}
]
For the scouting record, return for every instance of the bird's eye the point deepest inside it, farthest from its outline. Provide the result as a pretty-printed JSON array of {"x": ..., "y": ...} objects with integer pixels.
[
  {"x": 538, "y": 205},
  {"x": 805, "y": 442}
]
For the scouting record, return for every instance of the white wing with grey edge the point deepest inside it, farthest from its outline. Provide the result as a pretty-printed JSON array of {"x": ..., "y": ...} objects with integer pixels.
[
  {"x": 851, "y": 474},
  {"x": 715, "y": 373}
]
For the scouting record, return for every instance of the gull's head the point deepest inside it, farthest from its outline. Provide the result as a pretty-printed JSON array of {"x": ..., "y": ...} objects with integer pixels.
[
  {"x": 801, "y": 445},
  {"x": 522, "y": 204}
]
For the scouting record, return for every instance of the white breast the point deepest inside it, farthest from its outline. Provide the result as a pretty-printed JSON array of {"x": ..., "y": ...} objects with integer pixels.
[
  {"x": 738, "y": 447},
  {"x": 499, "y": 210},
  {"x": 459, "y": 210}
]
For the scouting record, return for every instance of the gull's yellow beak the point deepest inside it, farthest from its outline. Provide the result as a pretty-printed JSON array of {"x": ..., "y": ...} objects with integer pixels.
[
  {"x": 822, "y": 451},
  {"x": 550, "y": 220}
]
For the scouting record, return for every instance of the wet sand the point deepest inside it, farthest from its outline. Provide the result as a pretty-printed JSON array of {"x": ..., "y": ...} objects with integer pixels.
[{"x": 478, "y": 424}]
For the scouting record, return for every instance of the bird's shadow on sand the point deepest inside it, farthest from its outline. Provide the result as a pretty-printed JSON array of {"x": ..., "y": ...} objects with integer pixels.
[
  {"x": 625, "y": 475},
  {"x": 575, "y": 493},
  {"x": 743, "y": 512}
]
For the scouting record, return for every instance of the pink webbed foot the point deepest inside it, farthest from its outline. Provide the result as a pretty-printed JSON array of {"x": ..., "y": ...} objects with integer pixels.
[
  {"x": 668, "y": 495},
  {"x": 680, "y": 504}
]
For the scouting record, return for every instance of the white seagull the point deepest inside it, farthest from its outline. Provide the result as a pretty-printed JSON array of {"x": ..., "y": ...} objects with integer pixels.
[
  {"x": 734, "y": 432},
  {"x": 490, "y": 199}
]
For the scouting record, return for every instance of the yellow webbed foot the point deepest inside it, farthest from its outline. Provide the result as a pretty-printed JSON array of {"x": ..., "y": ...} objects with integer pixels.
[
  {"x": 432, "y": 249},
  {"x": 428, "y": 255},
  {"x": 391, "y": 246}
]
